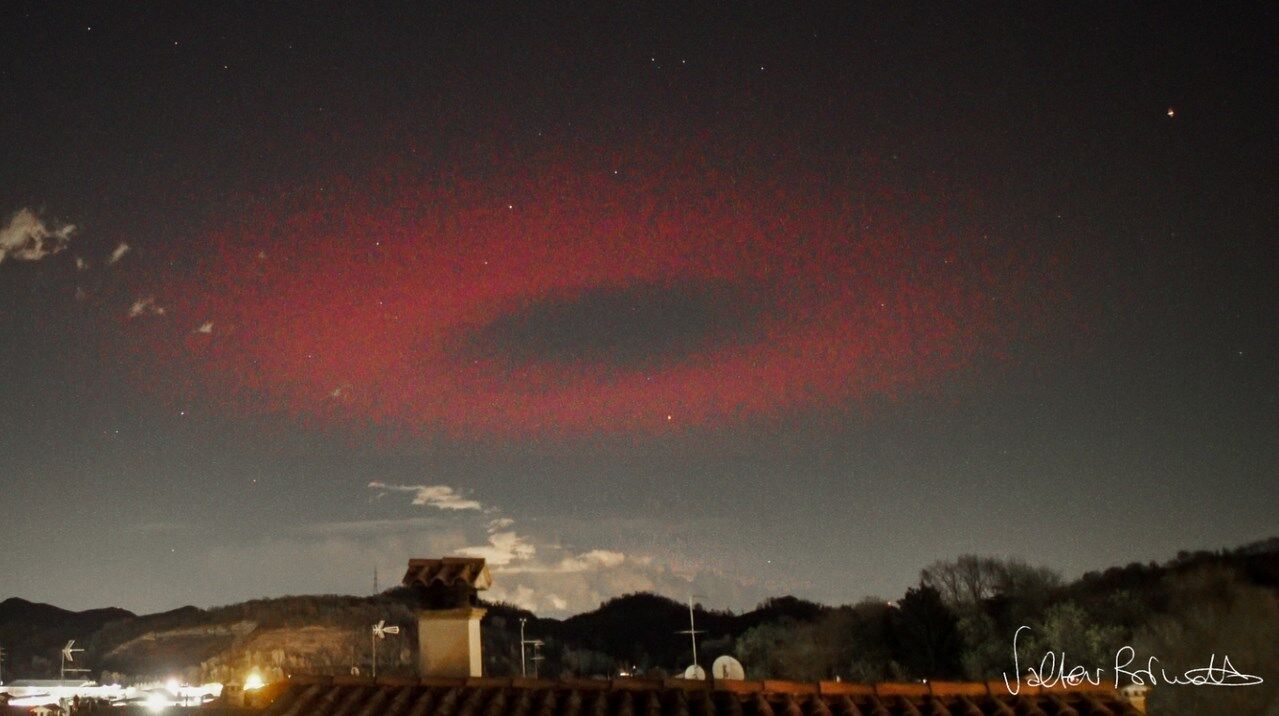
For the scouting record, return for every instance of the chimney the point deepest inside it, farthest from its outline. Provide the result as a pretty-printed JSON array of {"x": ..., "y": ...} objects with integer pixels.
[{"x": 448, "y": 624}]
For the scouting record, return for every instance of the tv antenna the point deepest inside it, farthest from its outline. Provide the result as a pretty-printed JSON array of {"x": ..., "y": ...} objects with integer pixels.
[
  {"x": 68, "y": 654},
  {"x": 537, "y": 658},
  {"x": 692, "y": 632},
  {"x": 380, "y": 630},
  {"x": 726, "y": 667},
  {"x": 524, "y": 645}
]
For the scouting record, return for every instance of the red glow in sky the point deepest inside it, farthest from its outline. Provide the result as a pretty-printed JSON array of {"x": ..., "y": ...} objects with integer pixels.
[{"x": 578, "y": 296}]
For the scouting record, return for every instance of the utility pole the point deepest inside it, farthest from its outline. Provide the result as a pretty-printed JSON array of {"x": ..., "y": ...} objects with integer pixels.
[
  {"x": 375, "y": 592},
  {"x": 1, "y": 666}
]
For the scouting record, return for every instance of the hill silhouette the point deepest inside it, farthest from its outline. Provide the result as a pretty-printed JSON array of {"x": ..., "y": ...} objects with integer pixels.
[{"x": 962, "y": 615}]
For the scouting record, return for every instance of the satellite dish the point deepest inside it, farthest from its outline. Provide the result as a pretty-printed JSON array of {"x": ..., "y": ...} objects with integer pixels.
[
  {"x": 726, "y": 667},
  {"x": 695, "y": 672}
]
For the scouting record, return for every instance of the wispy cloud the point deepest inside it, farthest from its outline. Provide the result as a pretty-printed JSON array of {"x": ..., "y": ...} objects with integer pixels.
[
  {"x": 27, "y": 237},
  {"x": 373, "y": 527},
  {"x": 439, "y": 496}
]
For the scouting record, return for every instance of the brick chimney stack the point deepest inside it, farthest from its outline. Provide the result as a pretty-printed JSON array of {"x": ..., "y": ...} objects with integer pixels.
[{"x": 448, "y": 623}]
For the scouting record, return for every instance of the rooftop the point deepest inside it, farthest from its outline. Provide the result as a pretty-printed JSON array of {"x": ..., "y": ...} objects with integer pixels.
[
  {"x": 673, "y": 697},
  {"x": 449, "y": 571}
]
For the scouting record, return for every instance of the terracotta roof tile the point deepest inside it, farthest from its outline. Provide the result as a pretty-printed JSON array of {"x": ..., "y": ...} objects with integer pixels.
[
  {"x": 448, "y": 571},
  {"x": 345, "y": 696}
]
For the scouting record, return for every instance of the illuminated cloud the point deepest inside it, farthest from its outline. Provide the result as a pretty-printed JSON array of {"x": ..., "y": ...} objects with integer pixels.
[
  {"x": 146, "y": 307},
  {"x": 592, "y": 561},
  {"x": 118, "y": 253},
  {"x": 529, "y": 569},
  {"x": 595, "y": 559},
  {"x": 27, "y": 237},
  {"x": 502, "y": 549},
  {"x": 439, "y": 496}
]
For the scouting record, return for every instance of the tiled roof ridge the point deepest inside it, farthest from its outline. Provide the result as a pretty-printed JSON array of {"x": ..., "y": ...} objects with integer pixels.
[
  {"x": 766, "y": 686},
  {"x": 448, "y": 571}
]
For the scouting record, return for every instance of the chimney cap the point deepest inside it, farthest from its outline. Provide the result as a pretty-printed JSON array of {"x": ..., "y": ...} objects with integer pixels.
[{"x": 448, "y": 572}]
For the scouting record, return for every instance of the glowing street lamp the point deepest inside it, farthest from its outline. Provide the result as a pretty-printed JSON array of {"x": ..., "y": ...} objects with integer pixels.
[{"x": 253, "y": 681}]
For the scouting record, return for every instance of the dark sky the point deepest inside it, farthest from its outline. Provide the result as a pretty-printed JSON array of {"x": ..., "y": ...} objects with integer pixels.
[{"x": 733, "y": 302}]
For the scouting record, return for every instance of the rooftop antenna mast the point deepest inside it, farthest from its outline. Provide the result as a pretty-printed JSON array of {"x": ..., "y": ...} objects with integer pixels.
[
  {"x": 537, "y": 658},
  {"x": 692, "y": 630},
  {"x": 68, "y": 654},
  {"x": 523, "y": 665},
  {"x": 524, "y": 645},
  {"x": 380, "y": 630}
]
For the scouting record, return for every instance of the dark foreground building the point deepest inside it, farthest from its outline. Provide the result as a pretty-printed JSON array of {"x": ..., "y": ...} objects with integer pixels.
[{"x": 672, "y": 697}]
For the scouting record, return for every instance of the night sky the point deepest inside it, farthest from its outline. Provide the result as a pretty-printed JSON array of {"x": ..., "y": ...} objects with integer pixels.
[{"x": 726, "y": 302}]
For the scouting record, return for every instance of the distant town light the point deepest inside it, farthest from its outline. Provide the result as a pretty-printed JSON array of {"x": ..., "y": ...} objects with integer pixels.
[
  {"x": 156, "y": 702},
  {"x": 253, "y": 681}
]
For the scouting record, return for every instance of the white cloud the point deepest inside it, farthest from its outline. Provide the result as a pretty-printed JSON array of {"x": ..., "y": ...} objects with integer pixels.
[
  {"x": 118, "y": 253},
  {"x": 27, "y": 237},
  {"x": 439, "y": 496},
  {"x": 592, "y": 561},
  {"x": 502, "y": 549},
  {"x": 595, "y": 559},
  {"x": 146, "y": 307},
  {"x": 543, "y": 575}
]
